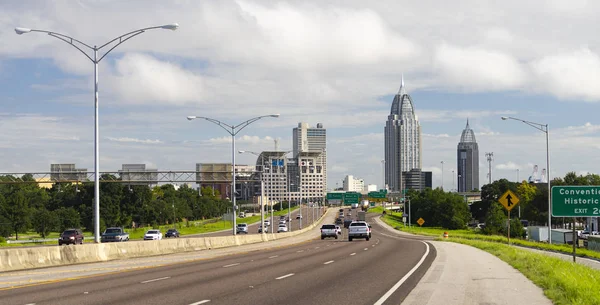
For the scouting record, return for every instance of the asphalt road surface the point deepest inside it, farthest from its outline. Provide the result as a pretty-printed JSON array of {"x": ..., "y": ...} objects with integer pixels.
[{"x": 326, "y": 271}]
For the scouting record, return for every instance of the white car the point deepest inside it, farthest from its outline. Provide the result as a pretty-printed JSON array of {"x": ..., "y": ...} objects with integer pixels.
[
  {"x": 298, "y": 216},
  {"x": 282, "y": 228},
  {"x": 267, "y": 222},
  {"x": 338, "y": 229},
  {"x": 153, "y": 235}
]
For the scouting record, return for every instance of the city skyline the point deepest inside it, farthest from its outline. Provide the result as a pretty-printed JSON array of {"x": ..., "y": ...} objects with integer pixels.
[{"x": 235, "y": 60}]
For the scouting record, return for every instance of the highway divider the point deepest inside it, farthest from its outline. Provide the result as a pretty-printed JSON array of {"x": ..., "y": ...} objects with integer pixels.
[{"x": 12, "y": 259}]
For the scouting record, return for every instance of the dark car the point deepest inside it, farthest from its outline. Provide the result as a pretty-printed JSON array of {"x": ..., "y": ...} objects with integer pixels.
[
  {"x": 71, "y": 236},
  {"x": 338, "y": 221},
  {"x": 172, "y": 233},
  {"x": 347, "y": 223}
]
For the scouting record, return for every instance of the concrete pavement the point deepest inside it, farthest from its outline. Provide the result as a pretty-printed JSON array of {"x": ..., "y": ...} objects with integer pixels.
[{"x": 462, "y": 274}]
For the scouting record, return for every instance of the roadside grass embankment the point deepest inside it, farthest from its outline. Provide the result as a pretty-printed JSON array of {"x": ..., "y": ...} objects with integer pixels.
[
  {"x": 184, "y": 228},
  {"x": 396, "y": 222},
  {"x": 563, "y": 282}
]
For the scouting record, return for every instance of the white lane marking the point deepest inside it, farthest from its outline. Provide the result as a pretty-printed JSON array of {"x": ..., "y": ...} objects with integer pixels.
[
  {"x": 284, "y": 276},
  {"x": 403, "y": 279},
  {"x": 317, "y": 247},
  {"x": 30, "y": 304},
  {"x": 366, "y": 249},
  {"x": 201, "y": 302},
  {"x": 327, "y": 263},
  {"x": 231, "y": 265},
  {"x": 351, "y": 254},
  {"x": 274, "y": 256},
  {"x": 154, "y": 280},
  {"x": 372, "y": 245},
  {"x": 300, "y": 251}
]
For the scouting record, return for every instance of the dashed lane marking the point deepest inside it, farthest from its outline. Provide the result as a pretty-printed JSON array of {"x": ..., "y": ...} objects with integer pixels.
[
  {"x": 231, "y": 265},
  {"x": 154, "y": 280},
  {"x": 327, "y": 263},
  {"x": 201, "y": 302},
  {"x": 274, "y": 256},
  {"x": 284, "y": 276},
  {"x": 352, "y": 254}
]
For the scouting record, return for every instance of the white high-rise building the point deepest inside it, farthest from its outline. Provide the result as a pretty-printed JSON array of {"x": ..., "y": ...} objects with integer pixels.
[
  {"x": 352, "y": 184},
  {"x": 310, "y": 152},
  {"x": 402, "y": 140}
]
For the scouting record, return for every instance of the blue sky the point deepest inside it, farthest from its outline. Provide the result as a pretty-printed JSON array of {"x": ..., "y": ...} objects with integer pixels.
[{"x": 338, "y": 64}]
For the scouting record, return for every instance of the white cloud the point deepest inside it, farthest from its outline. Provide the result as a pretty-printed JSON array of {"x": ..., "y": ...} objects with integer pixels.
[
  {"x": 134, "y": 140},
  {"x": 477, "y": 69},
  {"x": 507, "y": 166},
  {"x": 569, "y": 75},
  {"x": 245, "y": 139}
]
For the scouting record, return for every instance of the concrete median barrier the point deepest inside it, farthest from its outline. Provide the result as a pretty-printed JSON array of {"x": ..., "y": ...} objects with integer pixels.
[{"x": 12, "y": 259}]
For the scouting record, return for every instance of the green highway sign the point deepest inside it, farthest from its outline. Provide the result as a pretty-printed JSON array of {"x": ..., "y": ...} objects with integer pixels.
[
  {"x": 350, "y": 197},
  {"x": 335, "y": 196},
  {"x": 576, "y": 201},
  {"x": 377, "y": 195}
]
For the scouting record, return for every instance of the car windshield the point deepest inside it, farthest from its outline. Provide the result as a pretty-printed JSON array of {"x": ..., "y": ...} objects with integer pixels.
[
  {"x": 70, "y": 232},
  {"x": 171, "y": 231},
  {"x": 153, "y": 232},
  {"x": 328, "y": 227},
  {"x": 113, "y": 231}
]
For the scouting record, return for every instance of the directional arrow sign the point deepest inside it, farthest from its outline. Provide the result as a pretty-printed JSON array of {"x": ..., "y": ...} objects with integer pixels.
[{"x": 509, "y": 200}]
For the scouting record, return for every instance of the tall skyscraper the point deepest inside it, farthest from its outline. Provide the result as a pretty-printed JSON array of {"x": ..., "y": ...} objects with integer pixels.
[
  {"x": 467, "y": 161},
  {"x": 310, "y": 150},
  {"x": 402, "y": 140}
]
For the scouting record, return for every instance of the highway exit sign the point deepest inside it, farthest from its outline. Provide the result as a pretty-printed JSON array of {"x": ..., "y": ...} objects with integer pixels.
[{"x": 576, "y": 201}]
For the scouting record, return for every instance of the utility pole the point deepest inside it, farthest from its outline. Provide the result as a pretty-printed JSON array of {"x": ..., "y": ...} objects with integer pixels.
[
  {"x": 442, "y": 175},
  {"x": 490, "y": 157}
]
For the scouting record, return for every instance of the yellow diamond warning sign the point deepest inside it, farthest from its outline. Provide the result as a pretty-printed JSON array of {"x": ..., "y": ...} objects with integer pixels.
[
  {"x": 420, "y": 221},
  {"x": 509, "y": 200}
]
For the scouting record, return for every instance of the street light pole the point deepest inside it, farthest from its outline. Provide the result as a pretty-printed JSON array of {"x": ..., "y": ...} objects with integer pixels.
[
  {"x": 442, "y": 175},
  {"x": 543, "y": 128},
  {"x": 79, "y": 45},
  {"x": 233, "y": 131},
  {"x": 262, "y": 187}
]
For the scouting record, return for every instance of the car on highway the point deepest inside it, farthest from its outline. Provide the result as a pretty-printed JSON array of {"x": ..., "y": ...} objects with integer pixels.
[
  {"x": 282, "y": 221},
  {"x": 114, "y": 234},
  {"x": 339, "y": 230},
  {"x": 267, "y": 222},
  {"x": 260, "y": 229},
  {"x": 172, "y": 233},
  {"x": 338, "y": 221},
  {"x": 282, "y": 228},
  {"x": 298, "y": 216},
  {"x": 153, "y": 235},
  {"x": 328, "y": 230},
  {"x": 242, "y": 228},
  {"x": 359, "y": 229},
  {"x": 71, "y": 236}
]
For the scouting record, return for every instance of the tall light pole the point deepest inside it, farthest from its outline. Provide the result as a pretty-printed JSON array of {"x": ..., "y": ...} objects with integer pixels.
[
  {"x": 262, "y": 186},
  {"x": 543, "y": 128},
  {"x": 442, "y": 175},
  {"x": 77, "y": 44},
  {"x": 453, "y": 184},
  {"x": 233, "y": 131}
]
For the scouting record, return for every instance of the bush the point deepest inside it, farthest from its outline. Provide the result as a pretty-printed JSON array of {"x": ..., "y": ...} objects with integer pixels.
[{"x": 2, "y": 240}]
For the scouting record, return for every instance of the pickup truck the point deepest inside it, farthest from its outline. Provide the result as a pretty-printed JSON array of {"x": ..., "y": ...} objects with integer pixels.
[
  {"x": 328, "y": 231},
  {"x": 114, "y": 234},
  {"x": 359, "y": 229}
]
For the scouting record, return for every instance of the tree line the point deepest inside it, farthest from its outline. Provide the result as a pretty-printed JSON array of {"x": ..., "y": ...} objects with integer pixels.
[{"x": 27, "y": 206}]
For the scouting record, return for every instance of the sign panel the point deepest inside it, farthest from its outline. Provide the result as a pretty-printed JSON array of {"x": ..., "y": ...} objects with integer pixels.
[
  {"x": 421, "y": 221},
  {"x": 277, "y": 162},
  {"x": 350, "y": 198},
  {"x": 377, "y": 195},
  {"x": 509, "y": 200},
  {"x": 335, "y": 196},
  {"x": 576, "y": 201}
]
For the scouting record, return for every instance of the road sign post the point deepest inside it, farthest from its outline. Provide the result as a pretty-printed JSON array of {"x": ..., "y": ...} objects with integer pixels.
[{"x": 509, "y": 200}]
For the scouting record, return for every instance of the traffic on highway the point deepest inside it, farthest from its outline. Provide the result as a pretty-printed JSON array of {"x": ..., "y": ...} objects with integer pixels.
[{"x": 289, "y": 271}]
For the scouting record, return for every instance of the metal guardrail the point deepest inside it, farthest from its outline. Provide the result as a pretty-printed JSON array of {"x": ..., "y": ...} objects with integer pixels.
[{"x": 26, "y": 241}]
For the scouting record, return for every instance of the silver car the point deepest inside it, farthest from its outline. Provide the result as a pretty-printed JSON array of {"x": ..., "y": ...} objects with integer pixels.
[{"x": 242, "y": 228}]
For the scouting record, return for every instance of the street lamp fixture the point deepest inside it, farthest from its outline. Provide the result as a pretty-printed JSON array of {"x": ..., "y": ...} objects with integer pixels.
[
  {"x": 543, "y": 128},
  {"x": 79, "y": 45},
  {"x": 233, "y": 130}
]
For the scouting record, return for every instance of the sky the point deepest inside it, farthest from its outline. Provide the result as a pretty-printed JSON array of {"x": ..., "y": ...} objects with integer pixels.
[{"x": 338, "y": 63}]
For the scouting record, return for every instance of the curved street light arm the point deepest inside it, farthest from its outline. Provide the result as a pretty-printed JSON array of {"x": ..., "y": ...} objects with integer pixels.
[
  {"x": 225, "y": 126},
  {"x": 241, "y": 126},
  {"x": 121, "y": 40},
  {"x": 70, "y": 40},
  {"x": 538, "y": 126},
  {"x": 136, "y": 32}
]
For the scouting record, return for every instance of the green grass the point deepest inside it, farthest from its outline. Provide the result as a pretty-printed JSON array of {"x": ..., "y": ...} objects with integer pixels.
[
  {"x": 563, "y": 282},
  {"x": 396, "y": 222}
]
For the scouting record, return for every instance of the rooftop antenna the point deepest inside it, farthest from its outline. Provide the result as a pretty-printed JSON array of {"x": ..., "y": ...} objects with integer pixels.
[{"x": 276, "y": 144}]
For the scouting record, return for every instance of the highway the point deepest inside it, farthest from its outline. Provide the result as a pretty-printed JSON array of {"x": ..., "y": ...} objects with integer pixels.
[
  {"x": 314, "y": 272},
  {"x": 253, "y": 228}
]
